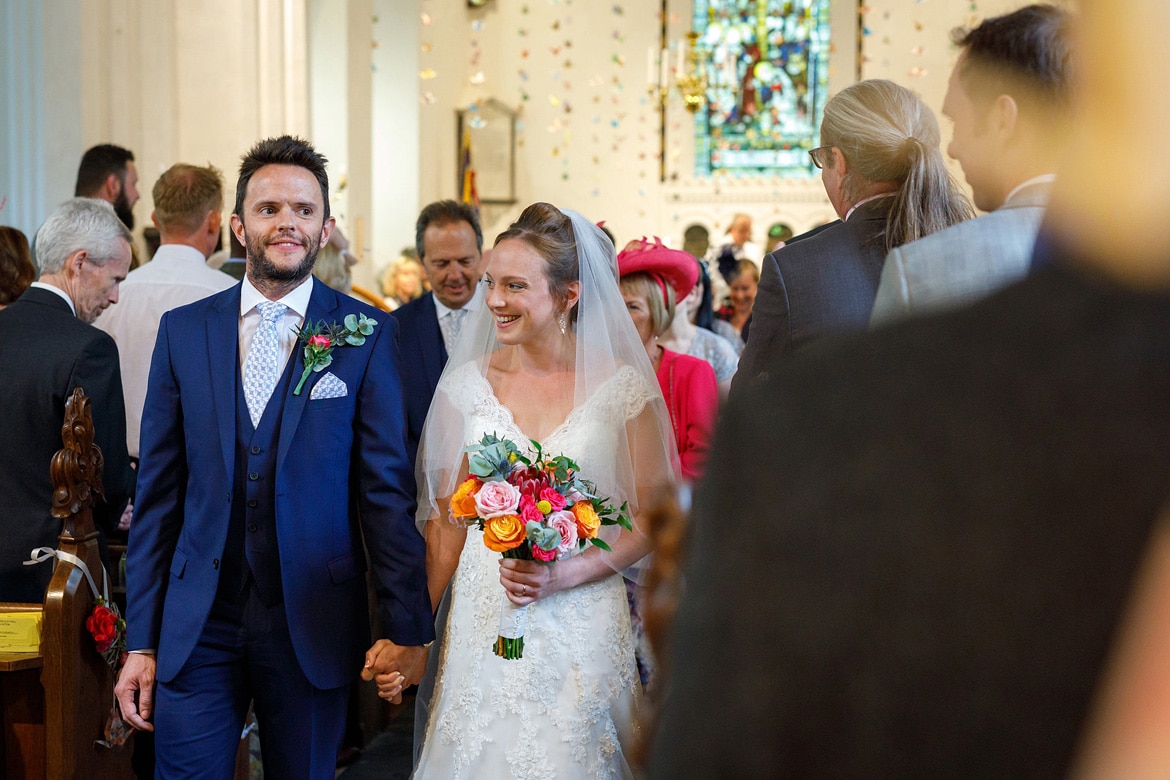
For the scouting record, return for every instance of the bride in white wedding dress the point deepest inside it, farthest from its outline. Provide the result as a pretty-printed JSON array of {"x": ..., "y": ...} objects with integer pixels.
[{"x": 553, "y": 357}]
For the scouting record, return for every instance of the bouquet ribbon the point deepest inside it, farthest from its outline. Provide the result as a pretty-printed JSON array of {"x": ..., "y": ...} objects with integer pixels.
[{"x": 42, "y": 554}]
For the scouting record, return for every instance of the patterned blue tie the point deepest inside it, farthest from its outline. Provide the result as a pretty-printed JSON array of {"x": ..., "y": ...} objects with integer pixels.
[{"x": 262, "y": 365}]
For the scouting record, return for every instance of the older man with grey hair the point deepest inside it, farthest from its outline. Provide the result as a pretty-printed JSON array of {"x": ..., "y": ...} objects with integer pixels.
[{"x": 49, "y": 347}]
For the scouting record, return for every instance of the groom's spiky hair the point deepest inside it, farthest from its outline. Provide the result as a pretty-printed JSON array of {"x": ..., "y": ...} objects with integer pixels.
[{"x": 285, "y": 150}]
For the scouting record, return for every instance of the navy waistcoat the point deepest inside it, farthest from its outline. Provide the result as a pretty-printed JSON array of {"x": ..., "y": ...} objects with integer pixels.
[{"x": 251, "y": 547}]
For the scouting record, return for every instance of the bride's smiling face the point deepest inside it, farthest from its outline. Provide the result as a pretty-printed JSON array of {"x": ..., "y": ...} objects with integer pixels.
[{"x": 518, "y": 294}]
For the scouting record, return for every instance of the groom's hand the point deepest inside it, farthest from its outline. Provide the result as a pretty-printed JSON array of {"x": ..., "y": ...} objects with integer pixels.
[
  {"x": 394, "y": 667},
  {"x": 137, "y": 678}
]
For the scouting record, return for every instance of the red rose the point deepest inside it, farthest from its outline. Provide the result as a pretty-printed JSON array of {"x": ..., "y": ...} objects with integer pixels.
[
  {"x": 547, "y": 556},
  {"x": 319, "y": 341},
  {"x": 103, "y": 624}
]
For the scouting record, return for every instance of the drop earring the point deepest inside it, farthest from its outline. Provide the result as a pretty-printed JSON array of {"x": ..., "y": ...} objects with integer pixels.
[{"x": 561, "y": 322}]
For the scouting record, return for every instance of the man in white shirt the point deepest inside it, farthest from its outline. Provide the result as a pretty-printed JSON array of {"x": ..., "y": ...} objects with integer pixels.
[
  {"x": 188, "y": 201},
  {"x": 1009, "y": 100}
]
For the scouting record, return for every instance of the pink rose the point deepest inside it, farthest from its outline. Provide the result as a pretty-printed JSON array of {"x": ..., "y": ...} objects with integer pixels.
[
  {"x": 545, "y": 556},
  {"x": 496, "y": 499},
  {"x": 566, "y": 525},
  {"x": 528, "y": 510},
  {"x": 553, "y": 497},
  {"x": 319, "y": 341}
]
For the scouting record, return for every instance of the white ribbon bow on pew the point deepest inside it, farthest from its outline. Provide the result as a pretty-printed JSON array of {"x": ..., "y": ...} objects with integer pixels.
[{"x": 42, "y": 554}]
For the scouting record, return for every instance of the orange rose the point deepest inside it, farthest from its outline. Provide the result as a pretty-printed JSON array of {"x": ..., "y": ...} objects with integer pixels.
[
  {"x": 463, "y": 502},
  {"x": 503, "y": 533},
  {"x": 587, "y": 520}
]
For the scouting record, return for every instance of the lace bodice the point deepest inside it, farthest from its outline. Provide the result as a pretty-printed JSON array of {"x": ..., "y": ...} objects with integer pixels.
[
  {"x": 587, "y": 435},
  {"x": 565, "y": 709}
]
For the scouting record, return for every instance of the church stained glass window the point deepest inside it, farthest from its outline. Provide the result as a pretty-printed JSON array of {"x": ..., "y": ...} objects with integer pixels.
[{"x": 767, "y": 70}]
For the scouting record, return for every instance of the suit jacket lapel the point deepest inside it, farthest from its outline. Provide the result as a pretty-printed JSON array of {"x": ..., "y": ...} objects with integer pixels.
[
  {"x": 223, "y": 338},
  {"x": 323, "y": 303}
]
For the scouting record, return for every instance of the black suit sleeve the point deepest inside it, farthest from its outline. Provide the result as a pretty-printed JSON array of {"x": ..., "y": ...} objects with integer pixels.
[
  {"x": 98, "y": 373},
  {"x": 769, "y": 328}
]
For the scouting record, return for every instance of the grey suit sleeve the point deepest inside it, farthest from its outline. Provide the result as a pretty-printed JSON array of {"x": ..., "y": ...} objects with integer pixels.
[
  {"x": 893, "y": 295},
  {"x": 769, "y": 333}
]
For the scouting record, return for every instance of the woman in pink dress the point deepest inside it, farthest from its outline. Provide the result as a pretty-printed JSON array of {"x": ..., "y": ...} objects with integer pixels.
[{"x": 654, "y": 279}]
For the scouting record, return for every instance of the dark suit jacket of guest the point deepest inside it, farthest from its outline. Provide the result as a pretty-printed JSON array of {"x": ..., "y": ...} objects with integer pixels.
[
  {"x": 423, "y": 353},
  {"x": 816, "y": 285},
  {"x": 940, "y": 525},
  {"x": 46, "y": 353},
  {"x": 342, "y": 477}
]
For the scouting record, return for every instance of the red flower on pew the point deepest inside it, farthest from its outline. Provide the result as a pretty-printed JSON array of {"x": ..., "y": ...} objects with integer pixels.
[{"x": 108, "y": 628}]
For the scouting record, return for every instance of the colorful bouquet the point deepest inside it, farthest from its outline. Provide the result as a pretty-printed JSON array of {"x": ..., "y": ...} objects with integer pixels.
[{"x": 535, "y": 510}]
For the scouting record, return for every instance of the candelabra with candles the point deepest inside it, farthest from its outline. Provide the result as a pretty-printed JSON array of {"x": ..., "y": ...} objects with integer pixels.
[
  {"x": 690, "y": 77},
  {"x": 692, "y": 83}
]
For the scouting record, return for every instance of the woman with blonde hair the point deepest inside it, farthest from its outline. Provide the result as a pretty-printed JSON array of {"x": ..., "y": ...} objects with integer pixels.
[
  {"x": 402, "y": 281},
  {"x": 886, "y": 178}
]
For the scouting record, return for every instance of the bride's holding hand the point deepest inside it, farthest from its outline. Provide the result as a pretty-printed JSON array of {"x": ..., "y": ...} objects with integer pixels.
[{"x": 552, "y": 357}]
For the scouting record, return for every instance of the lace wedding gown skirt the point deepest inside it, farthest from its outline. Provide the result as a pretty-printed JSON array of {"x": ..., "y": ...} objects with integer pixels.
[{"x": 567, "y": 708}]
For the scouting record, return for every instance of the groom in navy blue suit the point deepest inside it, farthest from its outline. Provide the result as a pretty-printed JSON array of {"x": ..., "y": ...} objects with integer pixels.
[{"x": 245, "y": 574}]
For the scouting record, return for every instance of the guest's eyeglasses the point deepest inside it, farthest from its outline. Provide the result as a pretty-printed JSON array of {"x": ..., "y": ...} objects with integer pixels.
[{"x": 819, "y": 155}]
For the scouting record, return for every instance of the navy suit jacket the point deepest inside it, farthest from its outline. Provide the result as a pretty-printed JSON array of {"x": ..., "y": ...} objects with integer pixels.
[
  {"x": 342, "y": 472},
  {"x": 816, "y": 285},
  {"x": 423, "y": 353}
]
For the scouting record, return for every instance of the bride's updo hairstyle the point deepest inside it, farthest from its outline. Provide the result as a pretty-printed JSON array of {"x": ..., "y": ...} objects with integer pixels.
[{"x": 549, "y": 232}]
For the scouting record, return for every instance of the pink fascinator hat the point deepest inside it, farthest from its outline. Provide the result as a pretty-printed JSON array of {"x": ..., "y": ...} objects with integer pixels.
[{"x": 666, "y": 265}]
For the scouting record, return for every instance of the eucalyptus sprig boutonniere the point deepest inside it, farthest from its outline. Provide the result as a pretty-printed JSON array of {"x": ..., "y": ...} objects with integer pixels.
[{"x": 320, "y": 339}]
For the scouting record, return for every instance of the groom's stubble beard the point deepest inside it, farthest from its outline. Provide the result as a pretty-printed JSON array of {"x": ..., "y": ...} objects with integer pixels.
[{"x": 265, "y": 269}]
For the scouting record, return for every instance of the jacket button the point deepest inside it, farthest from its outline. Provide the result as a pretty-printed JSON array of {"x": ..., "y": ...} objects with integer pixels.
[
  {"x": 255, "y": 450},
  {"x": 252, "y": 527},
  {"x": 253, "y": 476},
  {"x": 215, "y": 563},
  {"x": 253, "y": 503}
]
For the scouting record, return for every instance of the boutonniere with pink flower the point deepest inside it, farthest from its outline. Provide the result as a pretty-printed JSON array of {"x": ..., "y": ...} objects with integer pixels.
[{"x": 320, "y": 339}]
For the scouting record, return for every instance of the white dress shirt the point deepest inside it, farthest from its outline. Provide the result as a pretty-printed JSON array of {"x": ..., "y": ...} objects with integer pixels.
[
  {"x": 443, "y": 313},
  {"x": 297, "y": 302},
  {"x": 175, "y": 276},
  {"x": 59, "y": 292}
]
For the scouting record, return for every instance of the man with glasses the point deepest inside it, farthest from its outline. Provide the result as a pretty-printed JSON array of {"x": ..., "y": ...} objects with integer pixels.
[
  {"x": 886, "y": 178},
  {"x": 1008, "y": 100}
]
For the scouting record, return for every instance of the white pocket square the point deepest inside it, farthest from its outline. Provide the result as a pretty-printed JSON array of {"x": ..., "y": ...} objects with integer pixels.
[{"x": 328, "y": 386}]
